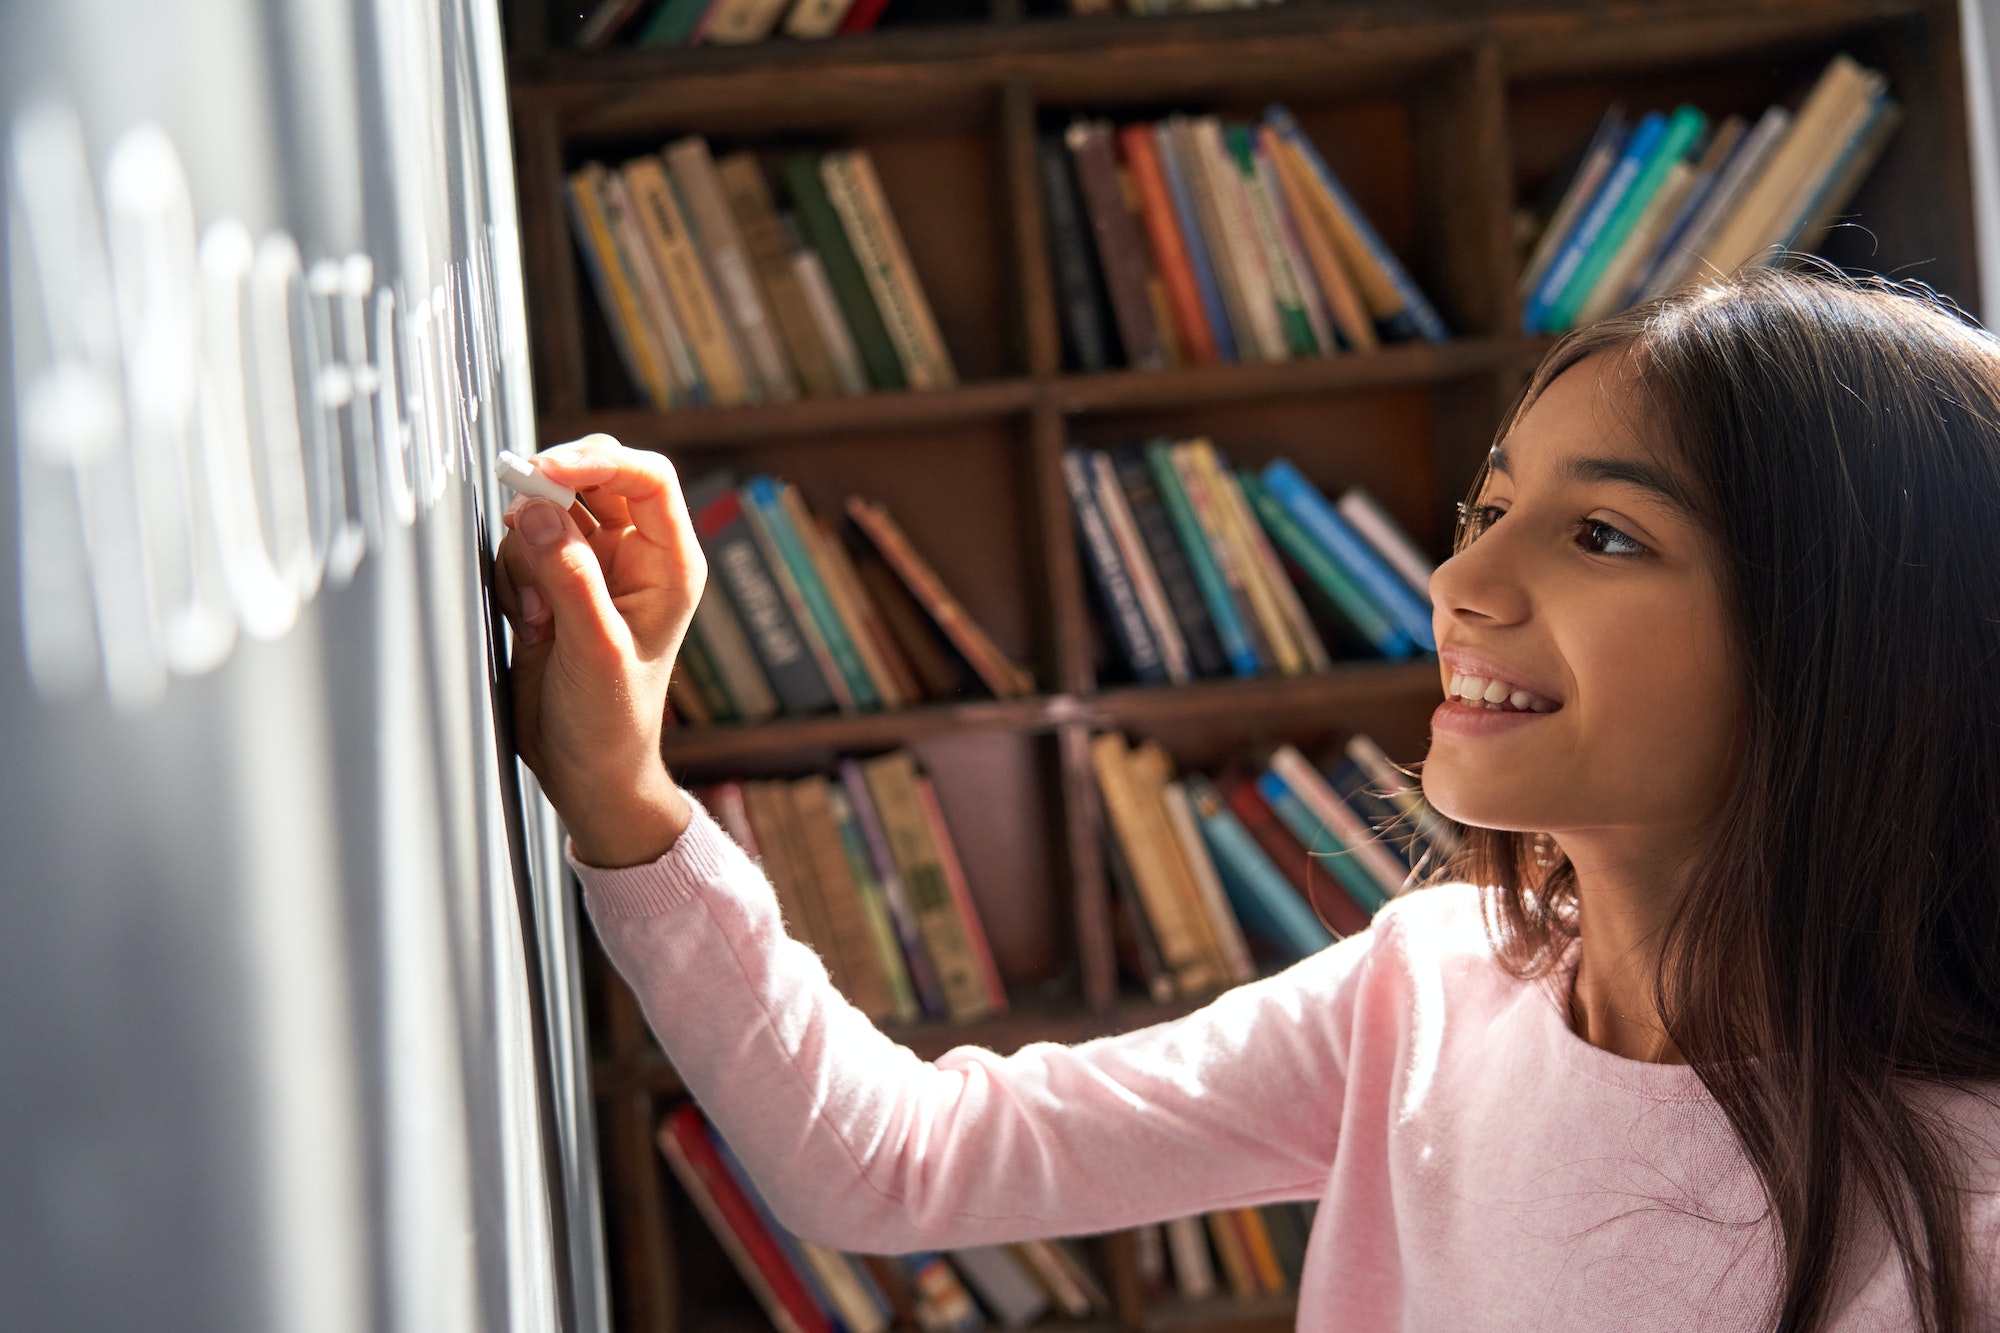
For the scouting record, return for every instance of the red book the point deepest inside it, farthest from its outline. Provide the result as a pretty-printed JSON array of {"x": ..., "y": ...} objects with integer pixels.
[
  {"x": 733, "y": 1219},
  {"x": 861, "y": 16},
  {"x": 1156, "y": 210},
  {"x": 1320, "y": 888}
]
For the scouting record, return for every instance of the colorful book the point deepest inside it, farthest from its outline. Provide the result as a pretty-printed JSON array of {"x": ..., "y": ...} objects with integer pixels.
[
  {"x": 961, "y": 895},
  {"x": 1368, "y": 622},
  {"x": 1320, "y": 841},
  {"x": 1207, "y": 509},
  {"x": 1410, "y": 612},
  {"x": 757, "y": 518},
  {"x": 1188, "y": 224},
  {"x": 771, "y": 260},
  {"x": 1170, "y": 562},
  {"x": 767, "y": 495},
  {"x": 1322, "y": 893},
  {"x": 1137, "y": 563},
  {"x": 868, "y": 884},
  {"x": 849, "y": 938},
  {"x": 696, "y": 303},
  {"x": 751, "y": 330},
  {"x": 616, "y": 288},
  {"x": 1142, "y": 834},
  {"x": 1234, "y": 638},
  {"x": 1156, "y": 211},
  {"x": 1308, "y": 785},
  {"x": 1263, "y": 899},
  {"x": 1640, "y": 145},
  {"x": 895, "y": 892}
]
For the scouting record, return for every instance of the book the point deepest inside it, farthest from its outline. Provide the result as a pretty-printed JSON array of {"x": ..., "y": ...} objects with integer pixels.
[
  {"x": 1397, "y": 303},
  {"x": 1073, "y": 260},
  {"x": 1228, "y": 559},
  {"x": 1632, "y": 158},
  {"x": 1666, "y": 200},
  {"x": 732, "y": 659},
  {"x": 896, "y": 895},
  {"x": 1263, "y": 900},
  {"x": 862, "y": 16},
  {"x": 1336, "y": 285},
  {"x": 686, "y": 703},
  {"x": 1410, "y": 612},
  {"x": 1319, "y": 312},
  {"x": 885, "y": 657},
  {"x": 601, "y": 25},
  {"x": 1367, "y": 516},
  {"x": 1194, "y": 849},
  {"x": 683, "y": 378},
  {"x": 851, "y": 288},
  {"x": 1263, "y": 1254},
  {"x": 1169, "y": 561},
  {"x": 943, "y": 1303},
  {"x": 1743, "y": 167},
  {"x": 824, "y": 308},
  {"x": 882, "y": 933},
  {"x": 750, "y": 203},
  {"x": 1722, "y": 146},
  {"x": 942, "y": 672},
  {"x": 1188, "y": 226},
  {"x": 1133, "y": 937},
  {"x": 789, "y": 868},
  {"x": 1140, "y": 825},
  {"x": 1368, "y": 623},
  {"x": 1002, "y": 1283},
  {"x": 856, "y": 195},
  {"x": 767, "y": 496},
  {"x": 683, "y": 1141},
  {"x": 1887, "y": 118},
  {"x": 1156, "y": 212},
  {"x": 1117, "y": 243},
  {"x": 1362, "y": 845},
  {"x": 1237, "y": 239},
  {"x": 706, "y": 207},
  {"x": 757, "y": 518},
  {"x": 849, "y": 937},
  {"x": 1225, "y": 1230},
  {"x": 1869, "y": 110},
  {"x": 675, "y": 22},
  {"x": 696, "y": 303},
  {"x": 1598, "y": 156},
  {"x": 1006, "y": 680},
  {"x": 1322, "y": 893},
  {"x": 1291, "y": 610},
  {"x": 961, "y": 896},
  {"x": 1321, "y": 843},
  {"x": 1231, "y": 635},
  {"x": 1402, "y": 791},
  {"x": 615, "y": 287},
  {"x": 1138, "y": 566},
  {"x": 813, "y": 19},
  {"x": 737, "y": 561},
  {"x": 891, "y": 780},
  {"x": 1250, "y": 556},
  {"x": 1194, "y": 1273},
  {"x": 1680, "y": 132},
  {"x": 738, "y": 22},
  {"x": 1116, "y": 591},
  {"x": 1044, "y": 1261},
  {"x": 1302, "y": 330},
  {"x": 1149, "y": 770}
]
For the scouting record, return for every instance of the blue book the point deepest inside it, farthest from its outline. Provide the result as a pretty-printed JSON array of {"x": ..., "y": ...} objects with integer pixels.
[
  {"x": 1264, "y": 900},
  {"x": 1236, "y": 644},
  {"x": 765, "y": 492},
  {"x": 1108, "y": 573},
  {"x": 1320, "y": 841},
  {"x": 1684, "y": 128},
  {"x": 1417, "y": 312},
  {"x": 1197, "y": 244},
  {"x": 1639, "y": 146},
  {"x": 1327, "y": 527},
  {"x": 1690, "y": 209}
]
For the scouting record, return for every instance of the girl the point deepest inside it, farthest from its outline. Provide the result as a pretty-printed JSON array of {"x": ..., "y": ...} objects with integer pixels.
[{"x": 1702, "y": 1029}]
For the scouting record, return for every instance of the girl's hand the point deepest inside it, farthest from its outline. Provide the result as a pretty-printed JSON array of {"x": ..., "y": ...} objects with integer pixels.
[{"x": 600, "y": 607}]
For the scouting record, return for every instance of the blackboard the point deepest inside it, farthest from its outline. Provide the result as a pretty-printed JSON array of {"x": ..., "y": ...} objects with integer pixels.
[{"x": 286, "y": 957}]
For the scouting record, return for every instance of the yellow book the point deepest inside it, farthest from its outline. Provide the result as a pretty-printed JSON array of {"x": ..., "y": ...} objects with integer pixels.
[
  {"x": 628, "y": 322},
  {"x": 1142, "y": 831},
  {"x": 1342, "y": 300},
  {"x": 1265, "y": 560},
  {"x": 892, "y": 781},
  {"x": 849, "y": 937},
  {"x": 1263, "y": 1255},
  {"x": 1152, "y": 770},
  {"x": 856, "y": 195},
  {"x": 1378, "y": 293},
  {"x": 1228, "y": 1237},
  {"x": 1243, "y": 558},
  {"x": 666, "y": 230}
]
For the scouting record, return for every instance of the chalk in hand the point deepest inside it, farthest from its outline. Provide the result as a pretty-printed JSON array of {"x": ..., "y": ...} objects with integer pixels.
[{"x": 517, "y": 474}]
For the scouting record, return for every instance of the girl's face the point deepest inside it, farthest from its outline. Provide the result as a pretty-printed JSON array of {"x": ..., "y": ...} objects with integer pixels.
[{"x": 1587, "y": 618}]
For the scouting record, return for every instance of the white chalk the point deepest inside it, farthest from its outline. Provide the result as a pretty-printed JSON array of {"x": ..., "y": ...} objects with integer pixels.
[{"x": 519, "y": 475}]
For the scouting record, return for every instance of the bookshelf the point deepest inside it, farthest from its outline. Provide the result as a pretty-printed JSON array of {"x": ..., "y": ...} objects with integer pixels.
[{"x": 1442, "y": 115}]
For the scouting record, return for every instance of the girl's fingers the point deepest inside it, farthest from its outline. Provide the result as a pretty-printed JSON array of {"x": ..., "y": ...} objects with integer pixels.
[{"x": 645, "y": 482}]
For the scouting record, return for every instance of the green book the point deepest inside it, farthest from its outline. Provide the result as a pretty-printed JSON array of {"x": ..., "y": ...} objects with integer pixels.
[
  {"x": 763, "y": 491},
  {"x": 1325, "y": 572},
  {"x": 1683, "y": 128},
  {"x": 875, "y": 902},
  {"x": 1284, "y": 281},
  {"x": 843, "y": 272},
  {"x": 706, "y": 678},
  {"x": 675, "y": 22},
  {"x": 1236, "y": 645}
]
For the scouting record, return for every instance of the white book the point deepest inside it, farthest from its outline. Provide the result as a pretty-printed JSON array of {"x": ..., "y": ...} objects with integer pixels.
[
  {"x": 1738, "y": 174},
  {"x": 825, "y": 310},
  {"x": 1311, "y": 298},
  {"x": 720, "y": 241},
  {"x": 1138, "y": 563},
  {"x": 1225, "y": 182},
  {"x": 813, "y": 19},
  {"x": 1194, "y": 1271},
  {"x": 1325, "y": 804},
  {"x": 655, "y": 305},
  {"x": 1004, "y": 1286},
  {"x": 1214, "y": 900},
  {"x": 1380, "y": 531}
]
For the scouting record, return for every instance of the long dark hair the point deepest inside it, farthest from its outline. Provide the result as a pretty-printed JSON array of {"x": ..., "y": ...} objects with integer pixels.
[{"x": 1838, "y": 949}]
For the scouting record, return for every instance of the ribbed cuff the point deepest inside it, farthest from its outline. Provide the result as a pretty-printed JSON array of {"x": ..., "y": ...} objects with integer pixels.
[{"x": 699, "y": 857}]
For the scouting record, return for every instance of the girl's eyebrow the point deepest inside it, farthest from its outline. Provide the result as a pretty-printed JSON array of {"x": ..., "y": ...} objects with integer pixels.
[{"x": 1618, "y": 471}]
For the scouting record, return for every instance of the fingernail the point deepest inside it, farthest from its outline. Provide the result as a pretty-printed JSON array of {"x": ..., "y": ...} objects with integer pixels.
[
  {"x": 534, "y": 607},
  {"x": 539, "y": 523}
]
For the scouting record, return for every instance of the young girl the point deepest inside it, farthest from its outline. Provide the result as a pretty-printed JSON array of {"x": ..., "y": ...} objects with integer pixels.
[{"x": 1705, "y": 1032}]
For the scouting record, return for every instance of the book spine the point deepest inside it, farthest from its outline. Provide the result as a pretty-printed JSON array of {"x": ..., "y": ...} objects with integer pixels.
[
  {"x": 1639, "y": 146},
  {"x": 1073, "y": 259},
  {"x": 735, "y": 1226},
  {"x": 811, "y": 20},
  {"x": 1310, "y": 787},
  {"x": 649, "y": 286},
  {"x": 1286, "y": 292},
  {"x": 755, "y": 519},
  {"x": 1006, "y": 680},
  {"x": 1321, "y": 844},
  {"x": 614, "y": 288},
  {"x": 786, "y": 866},
  {"x": 733, "y": 553},
  {"x": 847, "y": 936},
  {"x": 893, "y": 674},
  {"x": 1156, "y": 211},
  {"x": 687, "y": 282},
  {"x": 1598, "y": 156},
  {"x": 1121, "y": 600},
  {"x": 1149, "y": 771},
  {"x": 1138, "y": 566},
  {"x": 771, "y": 258},
  {"x": 1344, "y": 305},
  {"x": 881, "y": 922},
  {"x": 1402, "y": 791},
  {"x": 1743, "y": 167},
  {"x": 961, "y": 895},
  {"x": 735, "y": 661},
  {"x": 1263, "y": 1256},
  {"x": 1222, "y": 1229},
  {"x": 1610, "y": 286},
  {"x": 1170, "y": 562},
  {"x": 1849, "y": 173},
  {"x": 675, "y": 23},
  {"x": 843, "y": 272},
  {"x": 1334, "y": 910},
  {"x": 862, "y": 16},
  {"x": 1291, "y": 611},
  {"x": 1382, "y": 532},
  {"x": 1239, "y": 240},
  {"x": 895, "y": 893},
  {"x": 1228, "y": 932},
  {"x": 1145, "y": 960},
  {"x": 892, "y": 782},
  {"x": 1188, "y": 226},
  {"x": 1266, "y": 900},
  {"x": 1320, "y": 519},
  {"x": 694, "y": 176},
  {"x": 1235, "y": 641},
  {"x": 1111, "y": 225},
  {"x": 1368, "y": 619},
  {"x": 1208, "y": 513},
  {"x": 1847, "y": 139},
  {"x": 1257, "y": 578},
  {"x": 849, "y": 374},
  {"x": 1722, "y": 145},
  {"x": 689, "y": 699},
  {"x": 1318, "y": 312},
  {"x": 1194, "y": 160},
  {"x": 1194, "y": 1275},
  {"x": 795, "y": 1250},
  {"x": 1142, "y": 836},
  {"x": 864, "y": 215},
  {"x": 912, "y": 628},
  {"x": 776, "y": 503},
  {"x": 1411, "y": 299},
  {"x": 739, "y": 22}
]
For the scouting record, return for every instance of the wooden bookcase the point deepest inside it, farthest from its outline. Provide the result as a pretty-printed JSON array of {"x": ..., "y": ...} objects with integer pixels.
[{"x": 1442, "y": 116}]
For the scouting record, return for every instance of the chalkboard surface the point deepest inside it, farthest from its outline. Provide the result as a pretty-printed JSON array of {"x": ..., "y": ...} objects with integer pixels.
[{"x": 286, "y": 961}]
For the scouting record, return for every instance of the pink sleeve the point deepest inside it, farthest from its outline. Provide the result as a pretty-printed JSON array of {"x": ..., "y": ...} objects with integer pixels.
[{"x": 858, "y": 1143}]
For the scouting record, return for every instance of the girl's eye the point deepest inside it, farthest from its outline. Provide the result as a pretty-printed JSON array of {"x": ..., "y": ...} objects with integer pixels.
[
  {"x": 1601, "y": 538},
  {"x": 1473, "y": 521}
]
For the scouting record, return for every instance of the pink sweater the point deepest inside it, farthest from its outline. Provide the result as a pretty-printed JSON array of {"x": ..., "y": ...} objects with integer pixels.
[{"x": 1477, "y": 1165}]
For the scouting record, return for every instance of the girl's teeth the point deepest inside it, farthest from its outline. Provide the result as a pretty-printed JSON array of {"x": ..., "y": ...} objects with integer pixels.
[
  {"x": 1520, "y": 699},
  {"x": 1497, "y": 694},
  {"x": 1496, "y": 690}
]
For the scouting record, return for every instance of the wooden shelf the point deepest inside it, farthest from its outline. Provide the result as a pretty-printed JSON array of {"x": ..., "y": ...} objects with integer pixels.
[{"x": 714, "y": 428}]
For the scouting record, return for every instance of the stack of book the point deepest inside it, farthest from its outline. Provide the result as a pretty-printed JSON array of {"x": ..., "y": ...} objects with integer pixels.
[
  {"x": 1252, "y": 1253},
  {"x": 866, "y": 873},
  {"x": 1273, "y": 859},
  {"x": 667, "y": 23},
  {"x": 802, "y": 615},
  {"x": 1666, "y": 201},
  {"x": 718, "y": 291},
  {"x": 809, "y": 1288},
  {"x": 1202, "y": 571},
  {"x": 1192, "y": 240}
]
